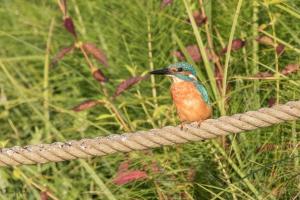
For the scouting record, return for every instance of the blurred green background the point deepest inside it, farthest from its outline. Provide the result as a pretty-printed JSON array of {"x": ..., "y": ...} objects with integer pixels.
[{"x": 137, "y": 35}]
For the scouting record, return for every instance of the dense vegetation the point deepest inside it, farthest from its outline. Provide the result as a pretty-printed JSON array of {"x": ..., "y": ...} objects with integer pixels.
[{"x": 36, "y": 98}]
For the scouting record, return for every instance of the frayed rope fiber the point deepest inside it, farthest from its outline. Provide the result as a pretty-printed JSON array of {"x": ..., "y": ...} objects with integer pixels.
[{"x": 169, "y": 135}]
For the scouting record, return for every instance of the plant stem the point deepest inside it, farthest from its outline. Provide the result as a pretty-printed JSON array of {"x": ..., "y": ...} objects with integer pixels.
[
  {"x": 215, "y": 56},
  {"x": 77, "y": 11},
  {"x": 119, "y": 116},
  {"x": 46, "y": 82},
  {"x": 281, "y": 41},
  {"x": 87, "y": 59},
  {"x": 237, "y": 170},
  {"x": 98, "y": 180},
  {"x": 224, "y": 171},
  {"x": 150, "y": 58},
  {"x": 255, "y": 57},
  {"x": 277, "y": 73},
  {"x": 227, "y": 59},
  {"x": 207, "y": 65},
  {"x": 110, "y": 105},
  {"x": 210, "y": 41}
]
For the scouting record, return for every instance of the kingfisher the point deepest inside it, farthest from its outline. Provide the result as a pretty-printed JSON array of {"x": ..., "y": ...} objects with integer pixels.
[{"x": 189, "y": 95}]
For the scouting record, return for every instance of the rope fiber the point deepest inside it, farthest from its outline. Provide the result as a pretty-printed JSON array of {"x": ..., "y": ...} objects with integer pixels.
[{"x": 169, "y": 135}]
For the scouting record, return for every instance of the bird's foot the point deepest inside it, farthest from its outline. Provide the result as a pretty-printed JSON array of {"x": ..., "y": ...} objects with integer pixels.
[
  {"x": 182, "y": 125},
  {"x": 199, "y": 124}
]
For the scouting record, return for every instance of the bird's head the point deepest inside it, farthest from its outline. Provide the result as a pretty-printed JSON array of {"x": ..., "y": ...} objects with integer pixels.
[{"x": 179, "y": 71}]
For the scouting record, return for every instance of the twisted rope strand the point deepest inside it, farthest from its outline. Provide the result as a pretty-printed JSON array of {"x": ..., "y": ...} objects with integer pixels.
[{"x": 169, "y": 135}]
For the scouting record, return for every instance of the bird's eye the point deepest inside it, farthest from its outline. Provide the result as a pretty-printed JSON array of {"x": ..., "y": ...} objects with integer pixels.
[{"x": 179, "y": 69}]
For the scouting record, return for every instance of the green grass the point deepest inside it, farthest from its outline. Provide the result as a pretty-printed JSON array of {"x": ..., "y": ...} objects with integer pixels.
[{"x": 137, "y": 36}]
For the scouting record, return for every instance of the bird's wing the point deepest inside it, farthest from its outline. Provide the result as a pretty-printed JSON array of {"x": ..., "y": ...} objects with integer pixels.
[{"x": 202, "y": 91}]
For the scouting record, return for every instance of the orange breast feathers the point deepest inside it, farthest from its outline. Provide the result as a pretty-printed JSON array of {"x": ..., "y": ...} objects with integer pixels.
[{"x": 189, "y": 103}]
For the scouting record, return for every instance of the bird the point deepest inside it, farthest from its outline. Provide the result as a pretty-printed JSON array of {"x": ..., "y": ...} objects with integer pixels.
[{"x": 188, "y": 93}]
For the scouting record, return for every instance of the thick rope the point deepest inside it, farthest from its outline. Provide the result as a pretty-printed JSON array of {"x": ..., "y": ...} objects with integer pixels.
[{"x": 169, "y": 135}]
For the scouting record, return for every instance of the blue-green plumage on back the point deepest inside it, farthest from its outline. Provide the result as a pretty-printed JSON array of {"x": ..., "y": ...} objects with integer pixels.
[{"x": 203, "y": 92}]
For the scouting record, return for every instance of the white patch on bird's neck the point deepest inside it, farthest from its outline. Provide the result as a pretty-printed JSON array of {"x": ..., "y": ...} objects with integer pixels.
[
  {"x": 176, "y": 80},
  {"x": 192, "y": 76}
]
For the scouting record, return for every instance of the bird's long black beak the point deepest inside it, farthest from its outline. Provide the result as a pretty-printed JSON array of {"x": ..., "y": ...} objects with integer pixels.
[{"x": 164, "y": 71}]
